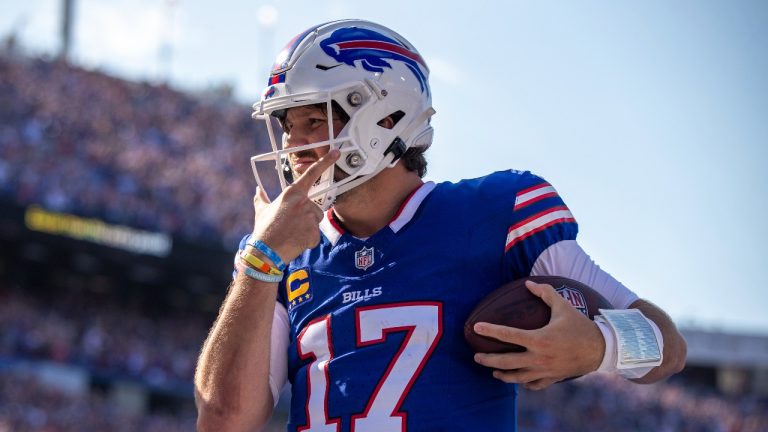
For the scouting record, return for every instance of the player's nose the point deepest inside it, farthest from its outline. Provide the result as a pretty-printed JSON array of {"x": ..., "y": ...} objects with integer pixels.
[{"x": 296, "y": 138}]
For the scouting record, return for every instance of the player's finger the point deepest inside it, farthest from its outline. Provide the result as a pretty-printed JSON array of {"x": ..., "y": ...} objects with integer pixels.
[
  {"x": 260, "y": 199},
  {"x": 504, "y": 333},
  {"x": 262, "y": 195},
  {"x": 547, "y": 293},
  {"x": 516, "y": 376},
  {"x": 317, "y": 213},
  {"x": 315, "y": 170},
  {"x": 540, "y": 384},
  {"x": 506, "y": 361}
]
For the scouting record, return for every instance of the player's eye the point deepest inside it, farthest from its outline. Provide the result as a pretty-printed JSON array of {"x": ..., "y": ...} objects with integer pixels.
[{"x": 315, "y": 122}]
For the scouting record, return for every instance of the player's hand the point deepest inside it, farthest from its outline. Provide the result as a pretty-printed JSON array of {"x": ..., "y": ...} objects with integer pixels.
[
  {"x": 290, "y": 224},
  {"x": 569, "y": 345}
]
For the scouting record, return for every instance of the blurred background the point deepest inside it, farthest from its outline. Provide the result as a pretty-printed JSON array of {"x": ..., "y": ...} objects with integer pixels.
[{"x": 125, "y": 134}]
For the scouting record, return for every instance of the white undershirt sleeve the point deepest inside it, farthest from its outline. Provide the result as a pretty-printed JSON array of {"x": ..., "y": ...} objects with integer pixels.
[
  {"x": 278, "y": 352},
  {"x": 567, "y": 259}
]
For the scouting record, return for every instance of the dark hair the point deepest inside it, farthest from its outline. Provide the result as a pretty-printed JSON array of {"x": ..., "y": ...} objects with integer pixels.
[{"x": 414, "y": 160}]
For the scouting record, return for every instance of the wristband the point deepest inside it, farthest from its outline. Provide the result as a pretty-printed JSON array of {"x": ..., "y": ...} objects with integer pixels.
[
  {"x": 259, "y": 264},
  {"x": 633, "y": 343},
  {"x": 264, "y": 277},
  {"x": 269, "y": 253}
]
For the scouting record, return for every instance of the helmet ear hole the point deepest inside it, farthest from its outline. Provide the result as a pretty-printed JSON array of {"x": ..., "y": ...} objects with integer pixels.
[{"x": 391, "y": 120}]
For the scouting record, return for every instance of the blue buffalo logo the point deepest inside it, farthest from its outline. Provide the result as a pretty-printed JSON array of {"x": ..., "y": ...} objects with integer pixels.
[{"x": 373, "y": 50}]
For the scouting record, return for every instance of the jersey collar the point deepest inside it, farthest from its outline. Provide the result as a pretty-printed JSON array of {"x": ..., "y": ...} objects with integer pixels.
[{"x": 333, "y": 231}]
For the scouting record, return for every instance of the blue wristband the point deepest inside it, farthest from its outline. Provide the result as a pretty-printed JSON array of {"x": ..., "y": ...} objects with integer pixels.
[
  {"x": 269, "y": 253},
  {"x": 264, "y": 277}
]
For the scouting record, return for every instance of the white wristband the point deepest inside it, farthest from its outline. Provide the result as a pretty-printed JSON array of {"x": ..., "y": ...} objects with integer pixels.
[
  {"x": 640, "y": 351},
  {"x": 608, "y": 364}
]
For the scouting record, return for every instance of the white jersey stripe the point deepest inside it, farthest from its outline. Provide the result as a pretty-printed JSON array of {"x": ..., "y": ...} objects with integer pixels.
[
  {"x": 538, "y": 223},
  {"x": 534, "y": 195},
  {"x": 409, "y": 210},
  {"x": 333, "y": 233},
  {"x": 326, "y": 227}
]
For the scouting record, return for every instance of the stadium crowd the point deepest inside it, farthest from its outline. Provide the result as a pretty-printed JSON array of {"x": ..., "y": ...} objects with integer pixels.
[
  {"x": 609, "y": 403},
  {"x": 107, "y": 339},
  {"x": 129, "y": 153},
  {"x": 27, "y": 405}
]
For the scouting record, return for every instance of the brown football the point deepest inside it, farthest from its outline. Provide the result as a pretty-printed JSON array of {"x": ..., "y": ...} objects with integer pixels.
[{"x": 514, "y": 306}]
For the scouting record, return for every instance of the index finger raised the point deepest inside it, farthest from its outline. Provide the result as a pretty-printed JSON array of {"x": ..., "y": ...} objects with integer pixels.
[{"x": 315, "y": 170}]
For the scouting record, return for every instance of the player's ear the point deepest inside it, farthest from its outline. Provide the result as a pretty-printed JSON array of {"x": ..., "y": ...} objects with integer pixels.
[
  {"x": 391, "y": 120},
  {"x": 387, "y": 122}
]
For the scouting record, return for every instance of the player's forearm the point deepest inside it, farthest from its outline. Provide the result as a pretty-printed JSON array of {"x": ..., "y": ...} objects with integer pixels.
[
  {"x": 232, "y": 377},
  {"x": 675, "y": 348}
]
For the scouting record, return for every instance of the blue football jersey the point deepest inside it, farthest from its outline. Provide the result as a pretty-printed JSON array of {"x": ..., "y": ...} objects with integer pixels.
[{"x": 376, "y": 339}]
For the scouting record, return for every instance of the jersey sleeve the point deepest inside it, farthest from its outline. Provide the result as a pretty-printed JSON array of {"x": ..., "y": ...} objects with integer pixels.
[{"x": 538, "y": 218}]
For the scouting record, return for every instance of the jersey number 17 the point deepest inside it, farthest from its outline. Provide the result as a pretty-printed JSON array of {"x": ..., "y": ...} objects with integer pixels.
[{"x": 423, "y": 323}]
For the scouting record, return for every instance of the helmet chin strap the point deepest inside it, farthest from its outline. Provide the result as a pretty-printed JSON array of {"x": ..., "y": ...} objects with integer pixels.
[{"x": 396, "y": 149}]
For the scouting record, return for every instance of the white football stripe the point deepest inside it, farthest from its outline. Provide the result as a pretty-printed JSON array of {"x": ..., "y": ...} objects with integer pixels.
[
  {"x": 529, "y": 196},
  {"x": 540, "y": 221}
]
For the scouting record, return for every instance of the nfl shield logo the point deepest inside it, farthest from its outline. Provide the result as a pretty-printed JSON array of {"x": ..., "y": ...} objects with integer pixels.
[
  {"x": 575, "y": 298},
  {"x": 364, "y": 258}
]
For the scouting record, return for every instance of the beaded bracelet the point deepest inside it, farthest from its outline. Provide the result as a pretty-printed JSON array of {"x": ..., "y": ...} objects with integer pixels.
[
  {"x": 269, "y": 253},
  {"x": 264, "y": 277},
  {"x": 259, "y": 264}
]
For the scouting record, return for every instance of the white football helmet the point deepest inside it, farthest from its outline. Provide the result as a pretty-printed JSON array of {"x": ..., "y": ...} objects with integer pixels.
[{"x": 370, "y": 72}]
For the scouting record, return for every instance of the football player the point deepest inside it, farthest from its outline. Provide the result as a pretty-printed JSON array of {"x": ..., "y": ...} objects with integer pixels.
[{"x": 357, "y": 278}]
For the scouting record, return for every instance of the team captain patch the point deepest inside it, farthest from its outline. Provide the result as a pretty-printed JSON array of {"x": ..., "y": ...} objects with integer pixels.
[{"x": 298, "y": 288}]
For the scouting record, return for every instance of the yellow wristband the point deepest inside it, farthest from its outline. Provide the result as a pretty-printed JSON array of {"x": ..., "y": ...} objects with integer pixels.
[{"x": 259, "y": 264}]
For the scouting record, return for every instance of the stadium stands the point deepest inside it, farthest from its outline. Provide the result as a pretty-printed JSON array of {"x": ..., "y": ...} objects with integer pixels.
[
  {"x": 135, "y": 154},
  {"x": 27, "y": 405},
  {"x": 609, "y": 403},
  {"x": 104, "y": 338}
]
